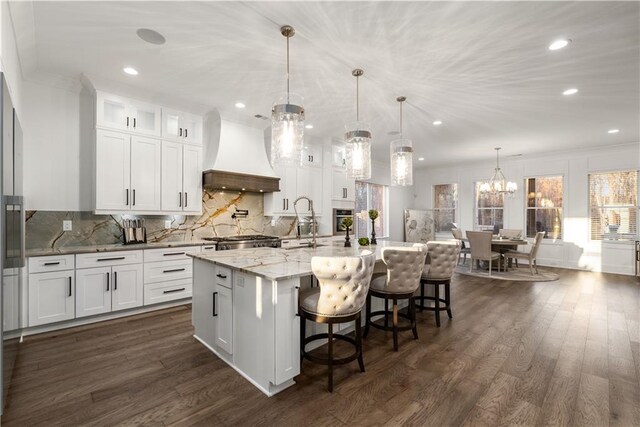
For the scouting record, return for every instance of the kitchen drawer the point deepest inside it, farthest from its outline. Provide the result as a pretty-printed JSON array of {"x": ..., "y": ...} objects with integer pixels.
[
  {"x": 169, "y": 254},
  {"x": 208, "y": 249},
  {"x": 167, "y": 291},
  {"x": 167, "y": 270},
  {"x": 105, "y": 259},
  {"x": 43, "y": 264},
  {"x": 223, "y": 276}
]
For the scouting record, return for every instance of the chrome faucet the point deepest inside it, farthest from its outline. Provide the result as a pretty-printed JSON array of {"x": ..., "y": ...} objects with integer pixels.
[{"x": 313, "y": 217}]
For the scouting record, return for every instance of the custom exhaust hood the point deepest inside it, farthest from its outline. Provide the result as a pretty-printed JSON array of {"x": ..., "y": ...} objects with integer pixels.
[{"x": 236, "y": 158}]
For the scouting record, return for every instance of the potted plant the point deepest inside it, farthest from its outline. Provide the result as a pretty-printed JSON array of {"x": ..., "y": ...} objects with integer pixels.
[
  {"x": 346, "y": 224},
  {"x": 373, "y": 215},
  {"x": 363, "y": 241}
]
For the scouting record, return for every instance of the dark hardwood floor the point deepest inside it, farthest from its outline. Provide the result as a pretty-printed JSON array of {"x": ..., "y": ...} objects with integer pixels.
[{"x": 553, "y": 353}]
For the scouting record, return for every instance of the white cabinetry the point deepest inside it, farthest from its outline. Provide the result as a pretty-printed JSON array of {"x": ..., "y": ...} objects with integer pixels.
[
  {"x": 281, "y": 202},
  {"x": 120, "y": 113},
  {"x": 183, "y": 127},
  {"x": 127, "y": 172},
  {"x": 312, "y": 155},
  {"x": 344, "y": 189},
  {"x": 168, "y": 274},
  {"x": 309, "y": 183},
  {"x": 181, "y": 177},
  {"x": 51, "y": 297},
  {"x": 223, "y": 310},
  {"x": 93, "y": 294}
]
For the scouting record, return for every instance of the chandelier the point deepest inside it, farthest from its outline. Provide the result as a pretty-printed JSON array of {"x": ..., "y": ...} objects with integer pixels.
[
  {"x": 358, "y": 141},
  {"x": 401, "y": 156},
  {"x": 287, "y": 121},
  {"x": 498, "y": 184}
]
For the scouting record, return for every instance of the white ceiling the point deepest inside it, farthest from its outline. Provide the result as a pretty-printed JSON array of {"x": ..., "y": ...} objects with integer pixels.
[{"x": 483, "y": 68}]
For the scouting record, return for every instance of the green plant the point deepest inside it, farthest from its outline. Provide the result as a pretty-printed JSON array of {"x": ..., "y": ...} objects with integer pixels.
[
  {"x": 363, "y": 241},
  {"x": 347, "y": 222},
  {"x": 373, "y": 214}
]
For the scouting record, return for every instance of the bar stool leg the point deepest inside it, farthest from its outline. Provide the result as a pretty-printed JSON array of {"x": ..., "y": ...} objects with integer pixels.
[
  {"x": 395, "y": 324},
  {"x": 421, "y": 297},
  {"x": 330, "y": 360},
  {"x": 303, "y": 333},
  {"x": 359, "y": 343},
  {"x": 437, "y": 304},
  {"x": 367, "y": 316},
  {"x": 447, "y": 297},
  {"x": 386, "y": 312},
  {"x": 412, "y": 314}
]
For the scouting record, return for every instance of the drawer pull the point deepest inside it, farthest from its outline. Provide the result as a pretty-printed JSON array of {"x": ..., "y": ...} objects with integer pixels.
[
  {"x": 51, "y": 263},
  {"x": 173, "y": 253},
  {"x": 173, "y": 290},
  {"x": 222, "y": 276},
  {"x": 174, "y": 270},
  {"x": 111, "y": 259},
  {"x": 209, "y": 247}
]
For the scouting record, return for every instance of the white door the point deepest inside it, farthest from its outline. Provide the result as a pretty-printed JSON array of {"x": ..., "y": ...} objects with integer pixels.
[
  {"x": 287, "y": 336},
  {"x": 192, "y": 128},
  {"x": 224, "y": 310},
  {"x": 144, "y": 118},
  {"x": 127, "y": 287},
  {"x": 145, "y": 173},
  {"x": 51, "y": 297},
  {"x": 93, "y": 291},
  {"x": 112, "y": 112},
  {"x": 204, "y": 288},
  {"x": 192, "y": 178},
  {"x": 171, "y": 127},
  {"x": 172, "y": 197},
  {"x": 113, "y": 171}
]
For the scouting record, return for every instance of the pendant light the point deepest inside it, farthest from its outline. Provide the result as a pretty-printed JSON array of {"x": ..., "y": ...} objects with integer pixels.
[
  {"x": 287, "y": 121},
  {"x": 498, "y": 184},
  {"x": 401, "y": 156},
  {"x": 358, "y": 141}
]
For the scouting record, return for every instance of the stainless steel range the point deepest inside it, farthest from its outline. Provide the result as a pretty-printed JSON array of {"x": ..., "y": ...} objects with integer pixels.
[{"x": 243, "y": 242}]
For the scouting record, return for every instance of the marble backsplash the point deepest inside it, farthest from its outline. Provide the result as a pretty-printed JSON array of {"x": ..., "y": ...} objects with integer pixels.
[{"x": 43, "y": 229}]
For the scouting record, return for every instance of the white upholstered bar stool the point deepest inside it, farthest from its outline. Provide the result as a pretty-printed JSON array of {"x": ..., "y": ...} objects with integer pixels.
[
  {"x": 339, "y": 298},
  {"x": 404, "y": 268},
  {"x": 441, "y": 263}
]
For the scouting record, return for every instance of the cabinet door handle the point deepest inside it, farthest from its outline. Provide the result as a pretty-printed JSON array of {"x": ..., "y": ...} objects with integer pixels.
[
  {"x": 173, "y": 253},
  {"x": 174, "y": 270},
  {"x": 186, "y": 199},
  {"x": 283, "y": 204},
  {"x": 214, "y": 314},
  {"x": 111, "y": 259},
  {"x": 51, "y": 263},
  {"x": 287, "y": 204},
  {"x": 134, "y": 197},
  {"x": 107, "y": 282},
  {"x": 222, "y": 276},
  {"x": 115, "y": 280},
  {"x": 180, "y": 199},
  {"x": 134, "y": 122},
  {"x": 127, "y": 202},
  {"x": 173, "y": 290},
  {"x": 296, "y": 297},
  {"x": 180, "y": 134},
  {"x": 127, "y": 121},
  {"x": 312, "y": 158},
  {"x": 186, "y": 132},
  {"x": 69, "y": 285}
]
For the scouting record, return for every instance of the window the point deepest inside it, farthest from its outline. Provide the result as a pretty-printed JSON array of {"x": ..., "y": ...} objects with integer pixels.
[
  {"x": 445, "y": 203},
  {"x": 370, "y": 196},
  {"x": 489, "y": 210},
  {"x": 613, "y": 200},
  {"x": 544, "y": 206}
]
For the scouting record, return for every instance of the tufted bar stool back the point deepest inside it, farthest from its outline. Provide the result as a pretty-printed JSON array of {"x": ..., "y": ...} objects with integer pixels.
[
  {"x": 404, "y": 270},
  {"x": 339, "y": 298},
  {"x": 443, "y": 258}
]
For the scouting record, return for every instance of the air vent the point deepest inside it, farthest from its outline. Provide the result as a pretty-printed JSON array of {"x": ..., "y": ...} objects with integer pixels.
[{"x": 260, "y": 116}]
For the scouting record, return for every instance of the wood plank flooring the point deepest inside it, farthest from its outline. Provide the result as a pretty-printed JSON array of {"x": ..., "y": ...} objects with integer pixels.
[{"x": 552, "y": 353}]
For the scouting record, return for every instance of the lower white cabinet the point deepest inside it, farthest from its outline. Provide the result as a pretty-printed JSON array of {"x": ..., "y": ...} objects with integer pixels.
[
  {"x": 223, "y": 310},
  {"x": 51, "y": 297},
  {"x": 105, "y": 289}
]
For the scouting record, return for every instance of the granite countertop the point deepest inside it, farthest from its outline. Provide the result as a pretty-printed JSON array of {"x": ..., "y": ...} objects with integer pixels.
[
  {"x": 280, "y": 264},
  {"x": 69, "y": 250}
]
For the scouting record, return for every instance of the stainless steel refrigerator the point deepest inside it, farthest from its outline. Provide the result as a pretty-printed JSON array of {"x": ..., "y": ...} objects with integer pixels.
[{"x": 12, "y": 221}]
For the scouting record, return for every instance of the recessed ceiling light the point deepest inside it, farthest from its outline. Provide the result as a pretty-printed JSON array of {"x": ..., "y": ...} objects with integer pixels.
[
  {"x": 150, "y": 36},
  {"x": 613, "y": 131},
  {"x": 420, "y": 158},
  {"x": 437, "y": 123},
  {"x": 240, "y": 105},
  {"x": 130, "y": 70},
  {"x": 559, "y": 44},
  {"x": 571, "y": 91},
  {"x": 309, "y": 126}
]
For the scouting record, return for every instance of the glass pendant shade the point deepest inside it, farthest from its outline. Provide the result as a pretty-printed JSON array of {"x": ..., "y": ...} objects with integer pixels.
[
  {"x": 358, "y": 150},
  {"x": 402, "y": 162},
  {"x": 287, "y": 130}
]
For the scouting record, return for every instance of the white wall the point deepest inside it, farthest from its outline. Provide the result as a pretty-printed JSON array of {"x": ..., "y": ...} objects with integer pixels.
[{"x": 576, "y": 250}]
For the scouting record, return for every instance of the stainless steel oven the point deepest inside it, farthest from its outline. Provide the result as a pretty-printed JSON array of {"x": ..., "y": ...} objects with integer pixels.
[{"x": 338, "y": 216}]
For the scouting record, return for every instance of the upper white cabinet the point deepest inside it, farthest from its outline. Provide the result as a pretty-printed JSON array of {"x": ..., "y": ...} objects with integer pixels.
[
  {"x": 339, "y": 157},
  {"x": 281, "y": 202},
  {"x": 127, "y": 172},
  {"x": 344, "y": 189},
  {"x": 120, "y": 113},
  {"x": 179, "y": 126},
  {"x": 312, "y": 155},
  {"x": 181, "y": 177}
]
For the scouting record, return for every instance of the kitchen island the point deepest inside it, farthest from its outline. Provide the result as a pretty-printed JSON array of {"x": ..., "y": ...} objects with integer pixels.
[{"x": 245, "y": 307}]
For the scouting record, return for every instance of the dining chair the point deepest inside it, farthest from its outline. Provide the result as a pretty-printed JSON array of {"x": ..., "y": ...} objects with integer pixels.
[
  {"x": 480, "y": 242},
  {"x": 530, "y": 256},
  {"x": 511, "y": 233},
  {"x": 339, "y": 298},
  {"x": 457, "y": 234},
  {"x": 404, "y": 269}
]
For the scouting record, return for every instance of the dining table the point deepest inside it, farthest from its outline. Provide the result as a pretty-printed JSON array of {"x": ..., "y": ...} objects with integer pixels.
[{"x": 502, "y": 245}]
